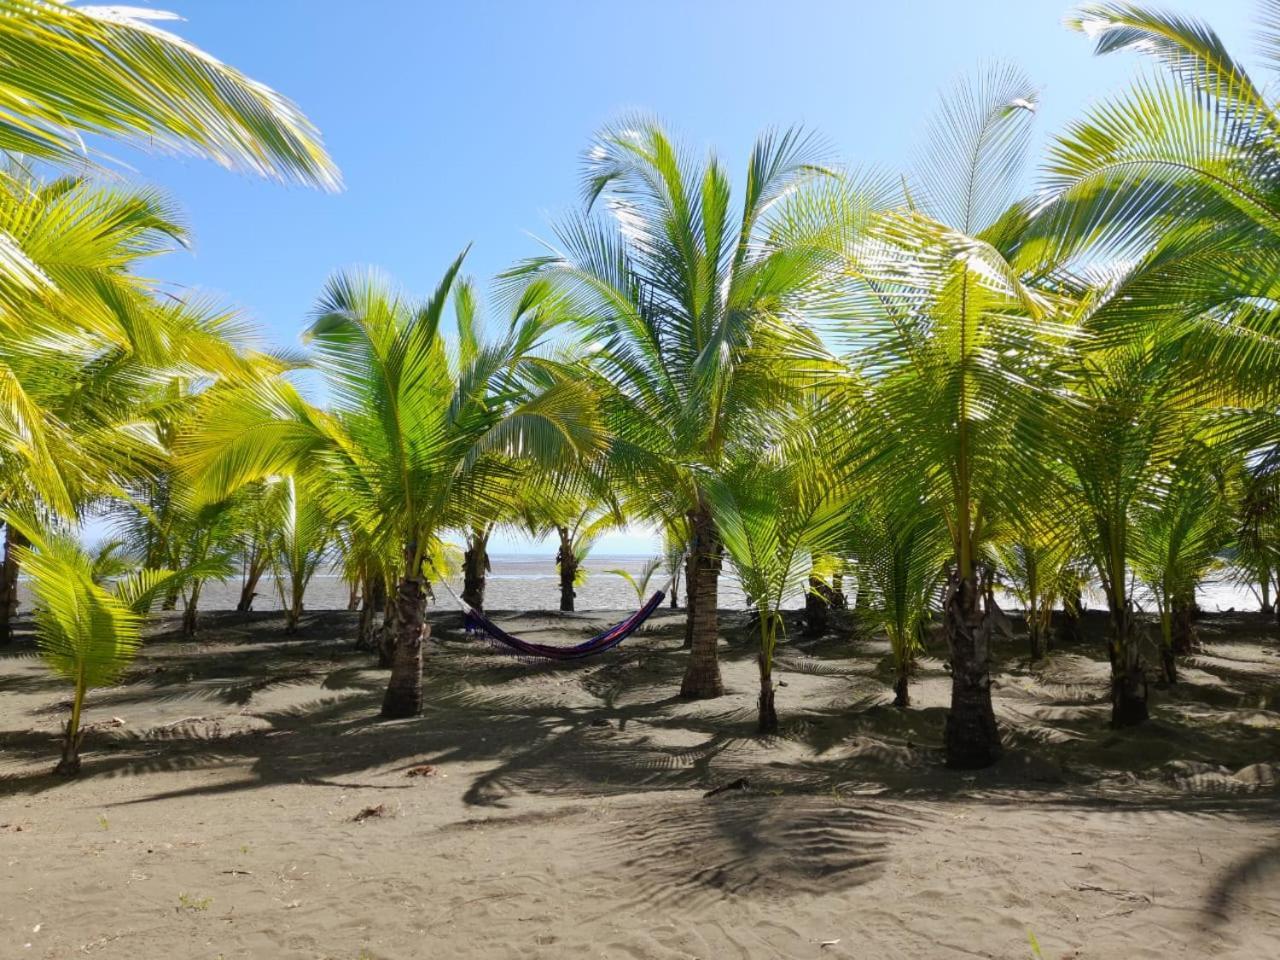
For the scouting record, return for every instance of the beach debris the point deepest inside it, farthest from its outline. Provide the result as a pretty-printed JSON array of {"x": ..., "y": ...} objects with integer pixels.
[
  {"x": 1128, "y": 895},
  {"x": 421, "y": 770},
  {"x": 740, "y": 784},
  {"x": 379, "y": 811}
]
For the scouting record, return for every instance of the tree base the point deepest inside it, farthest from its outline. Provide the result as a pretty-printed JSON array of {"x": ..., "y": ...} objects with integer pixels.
[
  {"x": 1170, "y": 664},
  {"x": 901, "y": 693},
  {"x": 68, "y": 766},
  {"x": 702, "y": 684}
]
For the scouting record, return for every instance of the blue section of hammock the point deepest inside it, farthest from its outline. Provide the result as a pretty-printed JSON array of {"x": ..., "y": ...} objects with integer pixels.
[{"x": 606, "y": 640}]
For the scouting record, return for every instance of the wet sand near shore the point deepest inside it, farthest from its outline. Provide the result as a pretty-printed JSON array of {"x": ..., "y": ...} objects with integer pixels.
[{"x": 241, "y": 798}]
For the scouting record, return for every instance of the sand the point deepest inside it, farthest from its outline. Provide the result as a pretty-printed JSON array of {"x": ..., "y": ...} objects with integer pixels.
[{"x": 240, "y": 799}]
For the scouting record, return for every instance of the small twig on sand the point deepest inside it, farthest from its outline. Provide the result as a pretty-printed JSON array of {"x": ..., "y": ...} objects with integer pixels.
[
  {"x": 739, "y": 784},
  {"x": 379, "y": 811},
  {"x": 1118, "y": 894}
]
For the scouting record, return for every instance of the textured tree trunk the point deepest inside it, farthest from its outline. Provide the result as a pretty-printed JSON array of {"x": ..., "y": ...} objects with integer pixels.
[
  {"x": 293, "y": 613},
  {"x": 475, "y": 565},
  {"x": 690, "y": 594},
  {"x": 387, "y": 634},
  {"x": 971, "y": 735},
  {"x": 404, "y": 689},
  {"x": 702, "y": 677},
  {"x": 1035, "y": 638},
  {"x": 817, "y": 608},
  {"x": 902, "y": 689},
  {"x": 9, "y": 582},
  {"x": 1185, "y": 637},
  {"x": 354, "y": 590},
  {"x": 675, "y": 591},
  {"x": 69, "y": 765},
  {"x": 190, "y": 615},
  {"x": 1128, "y": 681},
  {"x": 768, "y": 714},
  {"x": 567, "y": 562},
  {"x": 374, "y": 599},
  {"x": 254, "y": 569},
  {"x": 1264, "y": 582}
]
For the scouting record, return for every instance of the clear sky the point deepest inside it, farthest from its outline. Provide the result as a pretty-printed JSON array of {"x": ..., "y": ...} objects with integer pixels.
[{"x": 464, "y": 122}]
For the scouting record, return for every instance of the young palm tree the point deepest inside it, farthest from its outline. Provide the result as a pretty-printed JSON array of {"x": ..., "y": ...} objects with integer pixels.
[
  {"x": 901, "y": 561},
  {"x": 1038, "y": 563},
  {"x": 1121, "y": 433},
  {"x": 960, "y": 348},
  {"x": 774, "y": 517},
  {"x": 1180, "y": 528},
  {"x": 299, "y": 545},
  {"x": 86, "y": 632},
  {"x": 692, "y": 310},
  {"x": 420, "y": 439}
]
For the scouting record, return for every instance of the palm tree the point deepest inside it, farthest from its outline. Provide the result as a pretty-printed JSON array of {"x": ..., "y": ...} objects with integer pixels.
[
  {"x": 420, "y": 438},
  {"x": 1180, "y": 528},
  {"x": 901, "y": 560},
  {"x": 299, "y": 544},
  {"x": 693, "y": 316},
  {"x": 1038, "y": 562},
  {"x": 774, "y": 517},
  {"x": 1122, "y": 430},
  {"x": 111, "y": 71},
  {"x": 85, "y": 632},
  {"x": 959, "y": 347}
]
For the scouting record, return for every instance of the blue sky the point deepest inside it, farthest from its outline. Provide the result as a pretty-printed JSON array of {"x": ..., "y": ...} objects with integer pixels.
[{"x": 463, "y": 122}]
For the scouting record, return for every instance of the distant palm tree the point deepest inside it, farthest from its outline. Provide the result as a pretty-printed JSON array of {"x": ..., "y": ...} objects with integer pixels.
[
  {"x": 694, "y": 313},
  {"x": 420, "y": 438}
]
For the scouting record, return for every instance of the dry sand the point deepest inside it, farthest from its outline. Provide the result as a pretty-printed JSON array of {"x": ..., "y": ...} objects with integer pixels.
[{"x": 224, "y": 809}]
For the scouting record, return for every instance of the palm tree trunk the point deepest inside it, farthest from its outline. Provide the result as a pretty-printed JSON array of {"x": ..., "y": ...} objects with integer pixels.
[
  {"x": 1185, "y": 638},
  {"x": 475, "y": 564},
  {"x": 69, "y": 765},
  {"x": 374, "y": 598},
  {"x": 190, "y": 618},
  {"x": 567, "y": 561},
  {"x": 690, "y": 595},
  {"x": 971, "y": 735},
  {"x": 702, "y": 677},
  {"x": 354, "y": 590},
  {"x": 817, "y": 606},
  {"x": 768, "y": 722},
  {"x": 902, "y": 687},
  {"x": 255, "y": 565},
  {"x": 675, "y": 591},
  {"x": 1128, "y": 681},
  {"x": 9, "y": 582},
  {"x": 404, "y": 689},
  {"x": 1265, "y": 583},
  {"x": 387, "y": 635}
]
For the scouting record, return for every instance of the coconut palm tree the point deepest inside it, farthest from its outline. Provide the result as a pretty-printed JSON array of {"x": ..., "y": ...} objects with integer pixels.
[
  {"x": 111, "y": 71},
  {"x": 901, "y": 560},
  {"x": 1125, "y": 423},
  {"x": 421, "y": 437},
  {"x": 1180, "y": 528},
  {"x": 300, "y": 543},
  {"x": 960, "y": 347},
  {"x": 694, "y": 313},
  {"x": 774, "y": 517},
  {"x": 86, "y": 631}
]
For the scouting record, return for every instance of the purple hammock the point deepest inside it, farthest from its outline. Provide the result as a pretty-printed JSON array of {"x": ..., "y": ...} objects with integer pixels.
[{"x": 606, "y": 640}]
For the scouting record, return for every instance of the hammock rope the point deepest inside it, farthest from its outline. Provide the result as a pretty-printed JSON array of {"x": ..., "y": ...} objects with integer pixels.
[{"x": 607, "y": 639}]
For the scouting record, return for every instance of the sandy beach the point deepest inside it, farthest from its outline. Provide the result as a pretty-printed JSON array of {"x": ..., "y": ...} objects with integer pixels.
[{"x": 241, "y": 799}]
